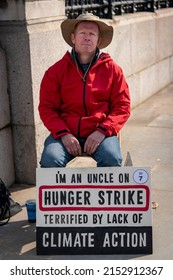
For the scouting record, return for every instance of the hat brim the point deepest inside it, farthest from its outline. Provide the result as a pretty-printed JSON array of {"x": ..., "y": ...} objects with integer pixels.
[{"x": 106, "y": 31}]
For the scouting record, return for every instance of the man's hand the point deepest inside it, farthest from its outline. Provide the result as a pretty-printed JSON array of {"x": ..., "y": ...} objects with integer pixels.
[
  {"x": 72, "y": 144},
  {"x": 93, "y": 141}
]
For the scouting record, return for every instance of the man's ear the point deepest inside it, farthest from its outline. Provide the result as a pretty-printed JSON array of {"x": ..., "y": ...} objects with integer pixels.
[{"x": 72, "y": 38}]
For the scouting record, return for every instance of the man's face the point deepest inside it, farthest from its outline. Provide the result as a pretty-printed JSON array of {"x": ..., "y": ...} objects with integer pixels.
[{"x": 86, "y": 37}]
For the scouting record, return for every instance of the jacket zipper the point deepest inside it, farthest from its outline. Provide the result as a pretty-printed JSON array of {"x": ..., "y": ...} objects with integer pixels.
[
  {"x": 84, "y": 104},
  {"x": 84, "y": 96}
]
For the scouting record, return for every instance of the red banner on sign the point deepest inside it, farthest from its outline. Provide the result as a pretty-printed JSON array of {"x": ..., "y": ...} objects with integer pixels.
[{"x": 103, "y": 198}]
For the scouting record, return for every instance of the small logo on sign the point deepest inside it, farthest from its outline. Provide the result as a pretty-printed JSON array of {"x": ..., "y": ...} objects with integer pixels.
[{"x": 140, "y": 176}]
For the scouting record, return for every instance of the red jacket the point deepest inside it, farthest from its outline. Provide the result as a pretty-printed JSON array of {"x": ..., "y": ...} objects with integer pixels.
[{"x": 70, "y": 105}]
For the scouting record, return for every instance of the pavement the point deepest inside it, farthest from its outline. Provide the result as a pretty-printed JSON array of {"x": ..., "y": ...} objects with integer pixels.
[{"x": 148, "y": 136}]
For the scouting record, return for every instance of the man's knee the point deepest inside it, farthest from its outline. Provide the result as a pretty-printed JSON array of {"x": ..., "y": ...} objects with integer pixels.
[
  {"x": 50, "y": 161},
  {"x": 109, "y": 160}
]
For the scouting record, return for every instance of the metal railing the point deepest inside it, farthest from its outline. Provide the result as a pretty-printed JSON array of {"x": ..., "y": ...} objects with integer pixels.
[{"x": 108, "y": 9}]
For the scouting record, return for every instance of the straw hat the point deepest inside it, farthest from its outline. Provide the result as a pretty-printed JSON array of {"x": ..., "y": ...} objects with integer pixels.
[{"x": 106, "y": 31}]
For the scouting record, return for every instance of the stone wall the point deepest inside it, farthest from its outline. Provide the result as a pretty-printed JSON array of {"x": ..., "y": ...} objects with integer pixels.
[
  {"x": 143, "y": 46},
  {"x": 6, "y": 141},
  {"x": 31, "y": 38}
]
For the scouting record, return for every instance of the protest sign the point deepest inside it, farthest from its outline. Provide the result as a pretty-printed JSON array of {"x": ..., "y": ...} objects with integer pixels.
[{"x": 94, "y": 211}]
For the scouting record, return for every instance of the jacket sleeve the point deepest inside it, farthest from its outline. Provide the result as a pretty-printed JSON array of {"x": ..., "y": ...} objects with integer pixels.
[
  {"x": 119, "y": 104},
  {"x": 50, "y": 104}
]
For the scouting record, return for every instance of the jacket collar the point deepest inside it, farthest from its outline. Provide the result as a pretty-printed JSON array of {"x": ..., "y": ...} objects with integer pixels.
[{"x": 84, "y": 67}]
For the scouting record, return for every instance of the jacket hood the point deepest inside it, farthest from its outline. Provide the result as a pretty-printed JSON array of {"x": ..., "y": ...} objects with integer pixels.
[{"x": 102, "y": 58}]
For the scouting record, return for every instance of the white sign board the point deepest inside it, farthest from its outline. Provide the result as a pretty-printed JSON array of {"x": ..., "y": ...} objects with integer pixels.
[{"x": 94, "y": 211}]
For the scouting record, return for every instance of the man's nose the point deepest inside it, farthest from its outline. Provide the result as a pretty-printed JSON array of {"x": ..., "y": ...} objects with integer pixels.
[{"x": 87, "y": 37}]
